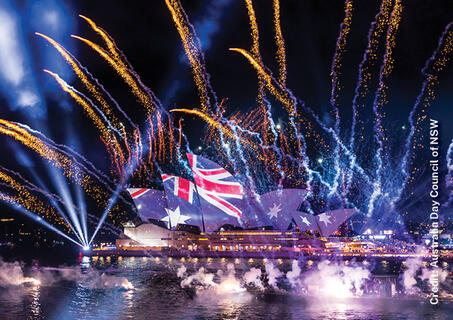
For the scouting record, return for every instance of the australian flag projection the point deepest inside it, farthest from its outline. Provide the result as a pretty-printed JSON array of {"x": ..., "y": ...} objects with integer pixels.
[
  {"x": 325, "y": 223},
  {"x": 215, "y": 198},
  {"x": 219, "y": 194},
  {"x": 167, "y": 207},
  {"x": 274, "y": 208},
  {"x": 183, "y": 205},
  {"x": 150, "y": 203}
]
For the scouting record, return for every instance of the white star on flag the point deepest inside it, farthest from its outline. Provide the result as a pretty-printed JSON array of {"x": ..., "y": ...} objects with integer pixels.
[
  {"x": 305, "y": 220},
  {"x": 174, "y": 217},
  {"x": 324, "y": 218},
  {"x": 273, "y": 213}
]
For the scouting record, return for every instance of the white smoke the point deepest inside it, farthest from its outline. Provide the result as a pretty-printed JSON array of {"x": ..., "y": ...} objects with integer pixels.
[
  {"x": 216, "y": 286},
  {"x": 415, "y": 270},
  {"x": 16, "y": 76},
  {"x": 11, "y": 59},
  {"x": 229, "y": 283},
  {"x": 409, "y": 275},
  {"x": 293, "y": 275},
  {"x": 11, "y": 274},
  {"x": 327, "y": 280},
  {"x": 180, "y": 273},
  {"x": 273, "y": 273},
  {"x": 200, "y": 279},
  {"x": 335, "y": 280},
  {"x": 253, "y": 276}
]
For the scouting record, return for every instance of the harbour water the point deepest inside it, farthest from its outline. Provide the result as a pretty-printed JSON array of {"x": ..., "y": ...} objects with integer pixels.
[{"x": 152, "y": 288}]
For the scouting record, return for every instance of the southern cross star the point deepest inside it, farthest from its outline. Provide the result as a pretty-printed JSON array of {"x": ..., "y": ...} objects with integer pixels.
[
  {"x": 174, "y": 217},
  {"x": 273, "y": 213},
  {"x": 324, "y": 218},
  {"x": 305, "y": 220}
]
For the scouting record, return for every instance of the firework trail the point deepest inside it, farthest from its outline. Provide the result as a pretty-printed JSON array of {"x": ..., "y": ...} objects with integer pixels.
[
  {"x": 255, "y": 50},
  {"x": 31, "y": 202},
  {"x": 19, "y": 207},
  {"x": 121, "y": 59},
  {"x": 280, "y": 42},
  {"x": 433, "y": 66},
  {"x": 192, "y": 48},
  {"x": 335, "y": 73},
  {"x": 381, "y": 100},
  {"x": 123, "y": 72},
  {"x": 98, "y": 117},
  {"x": 369, "y": 60},
  {"x": 90, "y": 108},
  {"x": 226, "y": 131},
  {"x": 80, "y": 72},
  {"x": 15, "y": 181},
  {"x": 58, "y": 157},
  {"x": 335, "y": 70}
]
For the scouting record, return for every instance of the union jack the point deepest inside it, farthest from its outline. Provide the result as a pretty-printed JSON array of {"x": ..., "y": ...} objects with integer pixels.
[
  {"x": 182, "y": 188},
  {"x": 137, "y": 192},
  {"x": 214, "y": 184}
]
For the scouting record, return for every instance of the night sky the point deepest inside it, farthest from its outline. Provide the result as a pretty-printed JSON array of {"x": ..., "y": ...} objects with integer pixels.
[{"x": 145, "y": 32}]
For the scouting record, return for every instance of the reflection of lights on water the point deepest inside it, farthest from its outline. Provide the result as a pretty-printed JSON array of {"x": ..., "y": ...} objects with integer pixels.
[
  {"x": 223, "y": 260},
  {"x": 183, "y": 259},
  {"x": 250, "y": 260},
  {"x": 365, "y": 262},
  {"x": 157, "y": 259},
  {"x": 341, "y": 309},
  {"x": 310, "y": 262},
  {"x": 346, "y": 262},
  {"x": 195, "y": 260},
  {"x": 280, "y": 261},
  {"x": 170, "y": 259},
  {"x": 85, "y": 262},
  {"x": 144, "y": 259},
  {"x": 236, "y": 261},
  {"x": 209, "y": 260},
  {"x": 126, "y": 284},
  {"x": 35, "y": 305},
  {"x": 264, "y": 260}
]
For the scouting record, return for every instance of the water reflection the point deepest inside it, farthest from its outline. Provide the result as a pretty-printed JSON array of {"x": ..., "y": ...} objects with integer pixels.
[{"x": 35, "y": 305}]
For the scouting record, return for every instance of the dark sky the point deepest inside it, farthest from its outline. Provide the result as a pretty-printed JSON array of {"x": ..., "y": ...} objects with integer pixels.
[{"x": 145, "y": 32}]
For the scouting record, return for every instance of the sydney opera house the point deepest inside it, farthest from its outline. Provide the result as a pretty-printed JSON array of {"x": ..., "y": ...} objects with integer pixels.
[{"x": 214, "y": 213}]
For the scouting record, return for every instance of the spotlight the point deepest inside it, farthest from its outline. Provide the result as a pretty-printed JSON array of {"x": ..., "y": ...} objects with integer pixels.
[
  {"x": 86, "y": 248},
  {"x": 319, "y": 160}
]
